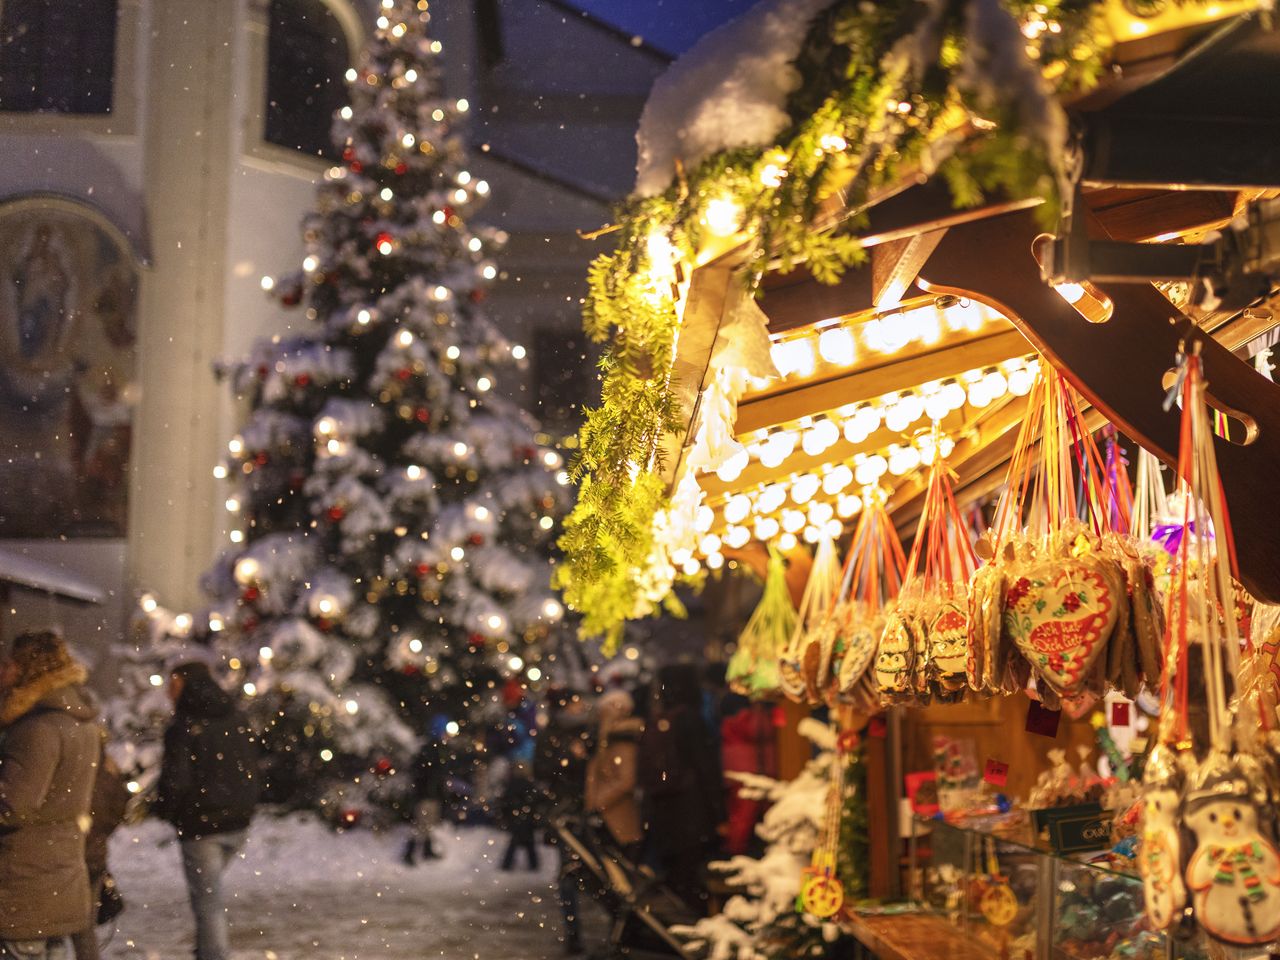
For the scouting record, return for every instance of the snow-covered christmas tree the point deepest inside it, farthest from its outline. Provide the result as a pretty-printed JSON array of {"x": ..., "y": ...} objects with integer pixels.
[{"x": 389, "y": 564}]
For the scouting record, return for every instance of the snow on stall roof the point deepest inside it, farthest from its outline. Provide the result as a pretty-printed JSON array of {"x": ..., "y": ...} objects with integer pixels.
[
  {"x": 730, "y": 90},
  {"x": 50, "y": 578}
]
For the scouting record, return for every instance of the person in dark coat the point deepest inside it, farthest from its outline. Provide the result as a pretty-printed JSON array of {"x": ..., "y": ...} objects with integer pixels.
[
  {"x": 520, "y": 801},
  {"x": 49, "y": 748},
  {"x": 430, "y": 780},
  {"x": 208, "y": 789},
  {"x": 560, "y": 769},
  {"x": 681, "y": 780},
  {"x": 108, "y": 804}
]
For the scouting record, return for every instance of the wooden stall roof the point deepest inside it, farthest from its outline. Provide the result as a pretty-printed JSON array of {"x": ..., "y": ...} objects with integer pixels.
[{"x": 1176, "y": 143}]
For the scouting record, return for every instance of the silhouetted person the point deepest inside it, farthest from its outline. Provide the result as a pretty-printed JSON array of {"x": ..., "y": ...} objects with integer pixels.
[{"x": 208, "y": 789}]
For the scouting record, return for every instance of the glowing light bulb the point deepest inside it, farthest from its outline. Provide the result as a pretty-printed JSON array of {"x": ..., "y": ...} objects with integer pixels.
[
  {"x": 896, "y": 417},
  {"x": 452, "y": 352},
  {"x": 351, "y": 78},
  {"x": 736, "y": 536},
  {"x": 771, "y": 498},
  {"x": 804, "y": 487},
  {"x": 736, "y": 508},
  {"x": 837, "y": 479},
  {"x": 793, "y": 357},
  {"x": 495, "y": 622},
  {"x": 1020, "y": 381},
  {"x": 440, "y": 293},
  {"x": 715, "y": 561},
  {"x": 457, "y": 553},
  {"x": 411, "y": 75},
  {"x": 463, "y": 106},
  {"x": 787, "y": 542},
  {"x": 346, "y": 112},
  {"x": 484, "y": 384},
  {"x": 414, "y": 472},
  {"x": 812, "y": 534},
  {"x": 220, "y": 472},
  {"x": 386, "y": 193},
  {"x": 936, "y": 406},
  {"x": 552, "y": 610},
  {"x": 995, "y": 384},
  {"x": 848, "y": 505},
  {"x": 235, "y": 446},
  {"x": 766, "y": 528},
  {"x": 326, "y": 426},
  {"x": 551, "y": 459},
  {"x": 912, "y": 406},
  {"x": 518, "y": 352},
  {"x": 404, "y": 338},
  {"x": 954, "y": 394},
  {"x": 836, "y": 346},
  {"x": 722, "y": 216},
  {"x": 709, "y": 544},
  {"x": 1070, "y": 292},
  {"x": 482, "y": 187},
  {"x": 246, "y": 571},
  {"x": 489, "y": 271},
  {"x": 156, "y": 680},
  {"x": 232, "y": 505},
  {"x": 182, "y": 622},
  {"x": 820, "y": 512},
  {"x": 363, "y": 318},
  {"x": 415, "y": 645},
  {"x": 690, "y": 567},
  {"x": 792, "y": 521},
  {"x": 351, "y": 707},
  {"x": 148, "y": 603},
  {"x": 267, "y": 282},
  {"x": 459, "y": 449}
]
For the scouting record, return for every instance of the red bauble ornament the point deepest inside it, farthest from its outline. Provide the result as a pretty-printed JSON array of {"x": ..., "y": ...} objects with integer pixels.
[
  {"x": 476, "y": 639},
  {"x": 402, "y": 168},
  {"x": 263, "y": 371},
  {"x": 409, "y": 670},
  {"x": 423, "y": 569},
  {"x": 261, "y": 458},
  {"x": 356, "y": 166},
  {"x": 350, "y": 817},
  {"x": 422, "y": 414},
  {"x": 404, "y": 373},
  {"x": 291, "y": 298},
  {"x": 528, "y": 453},
  {"x": 324, "y": 625},
  {"x": 476, "y": 296},
  {"x": 250, "y": 594},
  {"x": 476, "y": 539},
  {"x": 348, "y": 154},
  {"x": 448, "y": 212},
  {"x": 250, "y": 624},
  {"x": 384, "y": 243},
  {"x": 382, "y": 766},
  {"x": 302, "y": 379},
  {"x": 336, "y": 513}
]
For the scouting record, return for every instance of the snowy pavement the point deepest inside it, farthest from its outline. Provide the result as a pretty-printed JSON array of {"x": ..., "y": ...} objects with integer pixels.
[{"x": 302, "y": 891}]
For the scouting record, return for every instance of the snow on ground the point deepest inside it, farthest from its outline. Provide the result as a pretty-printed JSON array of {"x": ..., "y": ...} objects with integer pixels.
[{"x": 302, "y": 891}]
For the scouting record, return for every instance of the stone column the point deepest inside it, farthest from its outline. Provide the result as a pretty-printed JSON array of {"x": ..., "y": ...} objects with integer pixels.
[{"x": 187, "y": 159}]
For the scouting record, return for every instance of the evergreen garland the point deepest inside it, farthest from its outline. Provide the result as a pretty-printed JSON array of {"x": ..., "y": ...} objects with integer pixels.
[{"x": 886, "y": 87}]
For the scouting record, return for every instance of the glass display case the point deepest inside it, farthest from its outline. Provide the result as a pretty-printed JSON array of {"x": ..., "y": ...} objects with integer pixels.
[{"x": 1001, "y": 886}]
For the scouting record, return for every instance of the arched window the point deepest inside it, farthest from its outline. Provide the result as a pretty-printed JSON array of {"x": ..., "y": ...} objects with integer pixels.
[
  {"x": 68, "y": 358},
  {"x": 57, "y": 57},
  {"x": 307, "y": 58}
]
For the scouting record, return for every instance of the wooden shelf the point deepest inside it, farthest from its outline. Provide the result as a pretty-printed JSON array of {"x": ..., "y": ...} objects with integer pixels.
[{"x": 913, "y": 936}]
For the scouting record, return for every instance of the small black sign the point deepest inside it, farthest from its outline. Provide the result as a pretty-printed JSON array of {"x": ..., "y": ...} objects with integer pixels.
[{"x": 1085, "y": 826}]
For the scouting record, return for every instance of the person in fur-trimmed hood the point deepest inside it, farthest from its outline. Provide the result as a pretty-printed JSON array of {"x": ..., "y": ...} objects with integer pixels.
[
  {"x": 611, "y": 771},
  {"x": 49, "y": 750}
]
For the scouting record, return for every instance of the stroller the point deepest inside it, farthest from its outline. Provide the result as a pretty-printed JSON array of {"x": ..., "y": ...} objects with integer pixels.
[{"x": 641, "y": 908}]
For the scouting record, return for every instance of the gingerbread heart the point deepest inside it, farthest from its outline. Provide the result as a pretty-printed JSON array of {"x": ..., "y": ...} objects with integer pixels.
[{"x": 1061, "y": 613}]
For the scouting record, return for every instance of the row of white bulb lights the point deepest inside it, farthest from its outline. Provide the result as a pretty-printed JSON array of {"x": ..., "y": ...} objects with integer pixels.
[
  {"x": 896, "y": 411},
  {"x": 837, "y": 345}
]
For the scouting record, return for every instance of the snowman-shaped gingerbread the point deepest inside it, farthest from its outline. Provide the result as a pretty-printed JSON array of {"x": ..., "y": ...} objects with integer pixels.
[
  {"x": 1234, "y": 872},
  {"x": 1160, "y": 856}
]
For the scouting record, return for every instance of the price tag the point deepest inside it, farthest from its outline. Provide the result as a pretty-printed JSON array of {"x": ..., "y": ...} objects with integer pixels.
[
  {"x": 1120, "y": 714},
  {"x": 996, "y": 773},
  {"x": 1041, "y": 720}
]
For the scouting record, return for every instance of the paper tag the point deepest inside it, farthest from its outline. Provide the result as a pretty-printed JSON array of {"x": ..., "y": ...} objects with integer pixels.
[
  {"x": 876, "y": 727},
  {"x": 1120, "y": 714},
  {"x": 996, "y": 773},
  {"x": 1042, "y": 721}
]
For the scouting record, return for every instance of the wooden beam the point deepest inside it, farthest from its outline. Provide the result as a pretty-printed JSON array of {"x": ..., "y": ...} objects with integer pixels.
[
  {"x": 953, "y": 355},
  {"x": 1119, "y": 367}
]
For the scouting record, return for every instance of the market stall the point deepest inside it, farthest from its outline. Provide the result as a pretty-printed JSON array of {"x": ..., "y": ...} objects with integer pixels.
[{"x": 969, "y": 264}]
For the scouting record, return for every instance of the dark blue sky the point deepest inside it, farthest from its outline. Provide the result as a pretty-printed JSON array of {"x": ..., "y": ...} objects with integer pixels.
[{"x": 671, "y": 25}]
